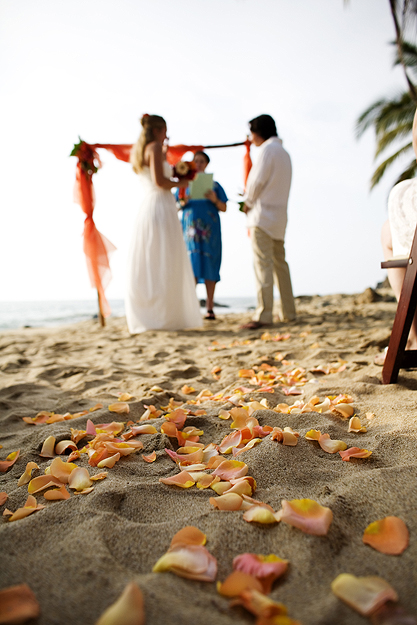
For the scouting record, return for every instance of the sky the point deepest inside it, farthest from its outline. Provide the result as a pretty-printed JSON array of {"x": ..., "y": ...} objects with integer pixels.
[{"x": 91, "y": 68}]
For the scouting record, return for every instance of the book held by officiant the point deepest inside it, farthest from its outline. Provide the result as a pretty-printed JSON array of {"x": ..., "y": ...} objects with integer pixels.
[{"x": 200, "y": 185}]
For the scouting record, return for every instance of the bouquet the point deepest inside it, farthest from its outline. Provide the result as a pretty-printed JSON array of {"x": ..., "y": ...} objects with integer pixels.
[{"x": 184, "y": 170}]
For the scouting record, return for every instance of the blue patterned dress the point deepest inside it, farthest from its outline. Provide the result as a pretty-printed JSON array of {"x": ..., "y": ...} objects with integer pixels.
[{"x": 202, "y": 236}]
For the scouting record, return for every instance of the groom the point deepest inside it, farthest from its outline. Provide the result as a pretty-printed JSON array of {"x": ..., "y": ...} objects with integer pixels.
[{"x": 265, "y": 203}]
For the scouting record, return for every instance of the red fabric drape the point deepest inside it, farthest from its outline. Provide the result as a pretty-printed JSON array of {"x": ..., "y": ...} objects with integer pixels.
[{"x": 96, "y": 247}]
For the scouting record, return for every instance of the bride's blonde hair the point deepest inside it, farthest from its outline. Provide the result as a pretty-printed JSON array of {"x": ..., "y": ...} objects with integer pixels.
[{"x": 149, "y": 124}]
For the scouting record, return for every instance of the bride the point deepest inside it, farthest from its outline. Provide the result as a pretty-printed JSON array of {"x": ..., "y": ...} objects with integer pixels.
[{"x": 160, "y": 285}]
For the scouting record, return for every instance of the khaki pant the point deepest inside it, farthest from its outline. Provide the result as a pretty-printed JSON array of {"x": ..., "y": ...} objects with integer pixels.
[{"x": 269, "y": 263}]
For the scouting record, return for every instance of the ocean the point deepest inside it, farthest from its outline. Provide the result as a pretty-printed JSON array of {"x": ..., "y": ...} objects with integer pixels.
[{"x": 14, "y": 315}]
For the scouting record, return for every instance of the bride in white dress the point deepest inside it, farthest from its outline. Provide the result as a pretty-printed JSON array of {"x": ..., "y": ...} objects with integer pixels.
[{"x": 160, "y": 286}]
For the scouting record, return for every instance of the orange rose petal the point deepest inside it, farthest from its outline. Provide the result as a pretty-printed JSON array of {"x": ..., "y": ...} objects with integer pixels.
[
  {"x": 232, "y": 501},
  {"x": 128, "y": 609},
  {"x": 115, "y": 427},
  {"x": 313, "y": 435},
  {"x": 30, "y": 506},
  {"x": 18, "y": 604},
  {"x": 265, "y": 568},
  {"x": 187, "y": 390},
  {"x": 170, "y": 429},
  {"x": 109, "y": 462},
  {"x": 178, "y": 417},
  {"x": 98, "y": 476},
  {"x": 77, "y": 435},
  {"x": 124, "y": 397},
  {"x": 388, "y": 535},
  {"x": 142, "y": 429},
  {"x": 236, "y": 583},
  {"x": 269, "y": 612},
  {"x": 27, "y": 475},
  {"x": 214, "y": 461},
  {"x": 120, "y": 408},
  {"x": 48, "y": 447},
  {"x": 355, "y": 425},
  {"x": 307, "y": 515},
  {"x": 363, "y": 594},
  {"x": 183, "y": 479},
  {"x": 96, "y": 407},
  {"x": 62, "y": 470},
  {"x": 241, "y": 488},
  {"x": 188, "y": 535},
  {"x": 84, "y": 491},
  {"x": 41, "y": 482},
  {"x": 150, "y": 458},
  {"x": 345, "y": 410},
  {"x": 56, "y": 494},
  {"x": 189, "y": 561},
  {"x": 9, "y": 462},
  {"x": 79, "y": 479},
  {"x": 62, "y": 446},
  {"x": 219, "y": 486},
  {"x": 354, "y": 452},
  {"x": 124, "y": 449},
  {"x": 260, "y": 514},
  {"x": 3, "y": 497},
  {"x": 331, "y": 446},
  {"x": 231, "y": 469}
]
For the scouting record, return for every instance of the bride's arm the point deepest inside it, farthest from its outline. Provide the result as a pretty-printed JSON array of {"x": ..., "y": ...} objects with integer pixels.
[{"x": 153, "y": 153}]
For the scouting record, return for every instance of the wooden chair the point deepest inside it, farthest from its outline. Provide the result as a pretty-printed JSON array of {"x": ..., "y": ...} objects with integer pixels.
[{"x": 397, "y": 356}]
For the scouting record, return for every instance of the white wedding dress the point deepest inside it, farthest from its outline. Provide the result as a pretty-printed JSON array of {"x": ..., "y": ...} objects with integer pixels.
[{"x": 160, "y": 286}]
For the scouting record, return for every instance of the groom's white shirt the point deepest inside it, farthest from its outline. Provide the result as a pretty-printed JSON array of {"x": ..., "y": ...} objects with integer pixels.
[{"x": 268, "y": 188}]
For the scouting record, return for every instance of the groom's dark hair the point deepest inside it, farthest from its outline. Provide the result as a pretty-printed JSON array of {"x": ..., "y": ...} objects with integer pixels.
[{"x": 264, "y": 126}]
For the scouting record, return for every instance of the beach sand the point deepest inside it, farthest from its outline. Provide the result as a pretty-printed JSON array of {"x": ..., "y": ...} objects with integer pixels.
[{"x": 78, "y": 555}]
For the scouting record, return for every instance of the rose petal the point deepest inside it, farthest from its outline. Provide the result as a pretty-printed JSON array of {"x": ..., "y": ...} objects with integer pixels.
[
  {"x": 237, "y": 582},
  {"x": 143, "y": 429},
  {"x": 232, "y": 501},
  {"x": 249, "y": 445},
  {"x": 10, "y": 460},
  {"x": 260, "y": 566},
  {"x": 62, "y": 470},
  {"x": 183, "y": 479},
  {"x": 363, "y": 594},
  {"x": 231, "y": 469},
  {"x": 98, "y": 476},
  {"x": 18, "y": 604},
  {"x": 57, "y": 494},
  {"x": 150, "y": 458},
  {"x": 265, "y": 608},
  {"x": 189, "y": 561},
  {"x": 125, "y": 397},
  {"x": 354, "y": 452},
  {"x": 62, "y": 446},
  {"x": 79, "y": 479},
  {"x": 188, "y": 390},
  {"x": 26, "y": 476},
  {"x": 48, "y": 447},
  {"x": 307, "y": 515},
  {"x": 188, "y": 535},
  {"x": 260, "y": 514},
  {"x": 120, "y": 408},
  {"x": 331, "y": 446},
  {"x": 30, "y": 506},
  {"x": 355, "y": 425},
  {"x": 41, "y": 482},
  {"x": 127, "y": 610},
  {"x": 346, "y": 410},
  {"x": 109, "y": 462},
  {"x": 388, "y": 535},
  {"x": 3, "y": 497}
]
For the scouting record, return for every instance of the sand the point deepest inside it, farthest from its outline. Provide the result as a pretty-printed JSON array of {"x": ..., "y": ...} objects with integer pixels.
[{"x": 78, "y": 555}]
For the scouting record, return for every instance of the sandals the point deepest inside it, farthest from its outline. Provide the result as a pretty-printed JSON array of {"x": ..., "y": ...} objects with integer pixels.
[{"x": 210, "y": 315}]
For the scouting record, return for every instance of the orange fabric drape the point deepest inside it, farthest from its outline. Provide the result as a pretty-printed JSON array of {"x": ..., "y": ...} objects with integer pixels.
[{"x": 96, "y": 247}]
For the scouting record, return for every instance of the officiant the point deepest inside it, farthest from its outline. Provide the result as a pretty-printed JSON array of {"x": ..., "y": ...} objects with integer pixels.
[{"x": 204, "y": 199}]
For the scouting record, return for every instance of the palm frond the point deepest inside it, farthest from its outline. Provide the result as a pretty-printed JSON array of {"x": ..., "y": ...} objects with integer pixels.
[
  {"x": 380, "y": 170},
  {"x": 368, "y": 117},
  {"x": 409, "y": 54},
  {"x": 408, "y": 173},
  {"x": 403, "y": 130}
]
